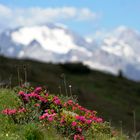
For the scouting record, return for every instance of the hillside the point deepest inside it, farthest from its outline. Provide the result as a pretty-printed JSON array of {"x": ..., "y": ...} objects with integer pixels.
[{"x": 115, "y": 98}]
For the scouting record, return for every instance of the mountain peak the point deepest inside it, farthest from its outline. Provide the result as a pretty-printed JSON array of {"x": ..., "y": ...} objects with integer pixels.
[
  {"x": 53, "y": 38},
  {"x": 34, "y": 43}
]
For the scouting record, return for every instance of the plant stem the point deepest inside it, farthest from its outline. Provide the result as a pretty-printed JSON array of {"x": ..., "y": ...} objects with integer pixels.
[
  {"x": 121, "y": 129},
  {"x": 134, "y": 119},
  {"x": 60, "y": 90},
  {"x": 18, "y": 74},
  {"x": 70, "y": 87},
  {"x": 25, "y": 74},
  {"x": 65, "y": 84}
]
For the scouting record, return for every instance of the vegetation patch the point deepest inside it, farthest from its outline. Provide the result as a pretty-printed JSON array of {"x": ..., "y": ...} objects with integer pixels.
[{"x": 34, "y": 114}]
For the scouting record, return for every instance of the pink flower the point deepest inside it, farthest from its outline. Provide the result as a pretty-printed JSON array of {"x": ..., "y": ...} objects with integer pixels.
[
  {"x": 52, "y": 110},
  {"x": 78, "y": 137},
  {"x": 99, "y": 120},
  {"x": 55, "y": 98},
  {"x": 57, "y": 102},
  {"x": 88, "y": 121},
  {"x": 50, "y": 118},
  {"x": 53, "y": 115},
  {"x": 25, "y": 99},
  {"x": 70, "y": 102},
  {"x": 33, "y": 95},
  {"x": 46, "y": 115},
  {"x": 23, "y": 96},
  {"x": 42, "y": 99},
  {"x": 38, "y": 90},
  {"x": 74, "y": 108},
  {"x": 46, "y": 110},
  {"x": 9, "y": 111},
  {"x": 37, "y": 105},
  {"x": 47, "y": 95},
  {"x": 22, "y": 110},
  {"x": 21, "y": 93},
  {"x": 42, "y": 117},
  {"x": 79, "y": 129},
  {"x": 62, "y": 120},
  {"x": 65, "y": 105},
  {"x": 81, "y": 118},
  {"x": 74, "y": 124}
]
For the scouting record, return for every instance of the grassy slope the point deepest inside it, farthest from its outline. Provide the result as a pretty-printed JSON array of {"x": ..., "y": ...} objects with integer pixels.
[{"x": 114, "y": 98}]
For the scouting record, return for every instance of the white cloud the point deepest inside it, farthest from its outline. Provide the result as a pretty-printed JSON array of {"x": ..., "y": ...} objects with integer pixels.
[
  {"x": 4, "y": 10},
  {"x": 98, "y": 35},
  {"x": 37, "y": 15}
]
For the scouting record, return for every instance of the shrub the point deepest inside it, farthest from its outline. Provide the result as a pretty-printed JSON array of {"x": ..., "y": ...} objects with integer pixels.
[
  {"x": 75, "y": 68},
  {"x": 38, "y": 108}
]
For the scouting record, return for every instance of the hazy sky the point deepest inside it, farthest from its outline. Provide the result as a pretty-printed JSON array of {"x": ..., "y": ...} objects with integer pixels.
[{"x": 82, "y": 16}]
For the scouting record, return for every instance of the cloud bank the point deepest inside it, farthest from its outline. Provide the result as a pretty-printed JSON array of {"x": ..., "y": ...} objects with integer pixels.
[{"x": 37, "y": 15}]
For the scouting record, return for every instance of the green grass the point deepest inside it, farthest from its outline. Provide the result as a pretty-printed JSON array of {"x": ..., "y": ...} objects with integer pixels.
[{"x": 114, "y": 98}]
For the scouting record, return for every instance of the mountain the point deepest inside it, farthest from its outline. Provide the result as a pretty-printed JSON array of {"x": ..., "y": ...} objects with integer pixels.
[
  {"x": 118, "y": 50},
  {"x": 124, "y": 44}
]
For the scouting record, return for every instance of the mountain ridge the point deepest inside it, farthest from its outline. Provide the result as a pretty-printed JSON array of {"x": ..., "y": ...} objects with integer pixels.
[{"x": 118, "y": 50}]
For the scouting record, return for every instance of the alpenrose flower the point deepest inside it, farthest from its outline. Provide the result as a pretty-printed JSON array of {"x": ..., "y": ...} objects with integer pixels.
[
  {"x": 88, "y": 121},
  {"x": 13, "y": 111},
  {"x": 79, "y": 129},
  {"x": 9, "y": 111},
  {"x": 37, "y": 105},
  {"x": 69, "y": 116},
  {"x": 81, "y": 118},
  {"x": 38, "y": 90},
  {"x": 78, "y": 137},
  {"x": 23, "y": 96},
  {"x": 98, "y": 120},
  {"x": 56, "y": 100},
  {"x": 49, "y": 115},
  {"x": 21, "y": 110},
  {"x": 74, "y": 124}
]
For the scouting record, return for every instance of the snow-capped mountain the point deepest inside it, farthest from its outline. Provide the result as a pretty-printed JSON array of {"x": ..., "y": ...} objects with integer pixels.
[
  {"x": 119, "y": 50},
  {"x": 123, "y": 49},
  {"x": 123, "y": 42},
  {"x": 54, "y": 38}
]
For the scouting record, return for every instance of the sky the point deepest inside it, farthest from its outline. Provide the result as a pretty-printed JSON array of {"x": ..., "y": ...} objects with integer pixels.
[{"x": 82, "y": 16}]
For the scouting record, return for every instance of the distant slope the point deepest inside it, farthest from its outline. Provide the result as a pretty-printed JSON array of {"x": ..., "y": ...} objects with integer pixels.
[{"x": 113, "y": 97}]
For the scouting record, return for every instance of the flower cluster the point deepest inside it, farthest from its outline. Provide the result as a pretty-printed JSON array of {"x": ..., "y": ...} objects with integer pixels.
[
  {"x": 85, "y": 113},
  {"x": 78, "y": 137},
  {"x": 49, "y": 115},
  {"x": 69, "y": 118},
  {"x": 13, "y": 111},
  {"x": 9, "y": 111}
]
